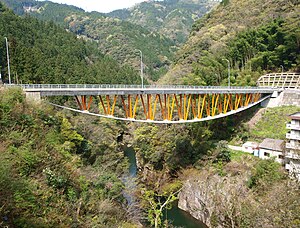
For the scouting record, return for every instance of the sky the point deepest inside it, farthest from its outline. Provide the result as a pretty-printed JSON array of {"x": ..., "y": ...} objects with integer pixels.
[{"x": 103, "y": 6}]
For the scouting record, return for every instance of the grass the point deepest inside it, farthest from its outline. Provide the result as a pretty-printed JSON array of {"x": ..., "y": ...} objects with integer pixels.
[
  {"x": 236, "y": 155},
  {"x": 273, "y": 123}
]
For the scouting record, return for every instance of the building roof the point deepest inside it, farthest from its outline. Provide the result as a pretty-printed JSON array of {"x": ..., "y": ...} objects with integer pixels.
[
  {"x": 272, "y": 144},
  {"x": 295, "y": 116}
]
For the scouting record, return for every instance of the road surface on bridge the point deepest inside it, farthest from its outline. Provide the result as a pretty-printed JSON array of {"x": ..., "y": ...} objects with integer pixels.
[{"x": 78, "y": 89}]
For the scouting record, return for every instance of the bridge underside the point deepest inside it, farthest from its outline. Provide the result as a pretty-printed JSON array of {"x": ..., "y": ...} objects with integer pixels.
[{"x": 165, "y": 108}]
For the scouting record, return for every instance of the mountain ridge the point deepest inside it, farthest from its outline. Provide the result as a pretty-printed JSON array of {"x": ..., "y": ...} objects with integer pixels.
[
  {"x": 213, "y": 34},
  {"x": 118, "y": 38}
]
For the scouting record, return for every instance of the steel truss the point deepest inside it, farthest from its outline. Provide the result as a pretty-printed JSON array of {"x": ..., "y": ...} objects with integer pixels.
[{"x": 166, "y": 107}]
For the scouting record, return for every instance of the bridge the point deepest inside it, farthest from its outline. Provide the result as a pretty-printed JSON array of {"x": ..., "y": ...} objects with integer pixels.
[{"x": 161, "y": 103}]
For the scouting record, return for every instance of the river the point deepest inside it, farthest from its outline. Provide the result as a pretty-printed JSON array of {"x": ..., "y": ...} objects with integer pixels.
[{"x": 175, "y": 216}]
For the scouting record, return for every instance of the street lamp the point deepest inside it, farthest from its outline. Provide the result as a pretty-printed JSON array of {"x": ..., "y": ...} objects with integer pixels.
[
  {"x": 142, "y": 73},
  {"x": 9, "y": 80},
  {"x": 228, "y": 71}
]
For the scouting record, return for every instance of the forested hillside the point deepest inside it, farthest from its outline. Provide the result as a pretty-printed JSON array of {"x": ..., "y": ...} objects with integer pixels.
[
  {"x": 172, "y": 18},
  {"x": 117, "y": 38},
  {"x": 156, "y": 28},
  {"x": 255, "y": 36},
  {"x": 42, "y": 52},
  {"x": 57, "y": 170}
]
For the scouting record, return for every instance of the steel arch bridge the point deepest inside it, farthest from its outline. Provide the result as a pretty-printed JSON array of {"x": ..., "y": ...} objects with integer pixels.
[{"x": 155, "y": 104}]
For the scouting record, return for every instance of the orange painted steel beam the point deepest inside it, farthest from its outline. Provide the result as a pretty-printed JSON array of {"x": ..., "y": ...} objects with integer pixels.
[
  {"x": 155, "y": 103},
  {"x": 143, "y": 103},
  {"x": 129, "y": 106},
  {"x": 124, "y": 106},
  {"x": 256, "y": 97},
  {"x": 108, "y": 104},
  {"x": 207, "y": 107},
  {"x": 172, "y": 107},
  {"x": 215, "y": 104},
  {"x": 184, "y": 106},
  {"x": 230, "y": 102},
  {"x": 220, "y": 106},
  {"x": 83, "y": 102},
  {"x": 103, "y": 106},
  {"x": 165, "y": 107},
  {"x": 78, "y": 103},
  {"x": 203, "y": 106},
  {"x": 149, "y": 106},
  {"x": 161, "y": 107},
  {"x": 168, "y": 107},
  {"x": 135, "y": 106},
  {"x": 114, "y": 105},
  {"x": 178, "y": 107},
  {"x": 194, "y": 101},
  {"x": 90, "y": 103},
  {"x": 188, "y": 107}
]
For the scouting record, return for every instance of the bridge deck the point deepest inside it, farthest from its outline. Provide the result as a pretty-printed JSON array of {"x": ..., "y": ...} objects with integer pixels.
[{"x": 76, "y": 89}]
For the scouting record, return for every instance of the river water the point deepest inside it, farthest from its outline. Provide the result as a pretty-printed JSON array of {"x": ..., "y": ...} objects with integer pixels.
[{"x": 175, "y": 216}]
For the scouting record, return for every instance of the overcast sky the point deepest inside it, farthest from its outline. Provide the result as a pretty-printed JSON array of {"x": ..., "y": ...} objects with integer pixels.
[{"x": 103, "y": 6}]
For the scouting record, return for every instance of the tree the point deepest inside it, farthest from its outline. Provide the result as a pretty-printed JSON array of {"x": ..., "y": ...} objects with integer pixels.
[{"x": 155, "y": 203}]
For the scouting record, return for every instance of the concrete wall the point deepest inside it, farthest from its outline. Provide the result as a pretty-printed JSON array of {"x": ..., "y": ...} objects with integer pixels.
[
  {"x": 271, "y": 153},
  {"x": 287, "y": 97},
  {"x": 33, "y": 96}
]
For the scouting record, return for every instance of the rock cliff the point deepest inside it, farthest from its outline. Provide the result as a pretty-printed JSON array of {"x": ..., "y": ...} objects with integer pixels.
[{"x": 212, "y": 198}]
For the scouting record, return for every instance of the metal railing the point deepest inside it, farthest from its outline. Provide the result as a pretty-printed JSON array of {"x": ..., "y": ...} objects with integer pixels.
[
  {"x": 108, "y": 86},
  {"x": 280, "y": 80}
]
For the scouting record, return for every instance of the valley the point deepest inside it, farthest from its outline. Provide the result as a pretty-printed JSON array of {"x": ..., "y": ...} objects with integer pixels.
[{"x": 64, "y": 169}]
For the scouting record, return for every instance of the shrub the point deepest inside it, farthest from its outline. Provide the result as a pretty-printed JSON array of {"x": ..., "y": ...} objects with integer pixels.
[{"x": 265, "y": 174}]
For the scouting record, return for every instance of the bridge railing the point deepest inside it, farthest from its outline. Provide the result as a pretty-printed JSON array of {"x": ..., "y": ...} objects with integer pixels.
[
  {"x": 280, "y": 80},
  {"x": 118, "y": 86}
]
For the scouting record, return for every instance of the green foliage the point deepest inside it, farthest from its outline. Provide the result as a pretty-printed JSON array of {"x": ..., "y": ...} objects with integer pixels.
[
  {"x": 46, "y": 53},
  {"x": 172, "y": 146},
  {"x": 173, "y": 18},
  {"x": 254, "y": 43},
  {"x": 155, "y": 203},
  {"x": 43, "y": 184},
  {"x": 265, "y": 127},
  {"x": 266, "y": 47},
  {"x": 54, "y": 180},
  {"x": 7, "y": 103},
  {"x": 266, "y": 173},
  {"x": 222, "y": 152},
  {"x": 111, "y": 186},
  {"x": 157, "y": 28}
]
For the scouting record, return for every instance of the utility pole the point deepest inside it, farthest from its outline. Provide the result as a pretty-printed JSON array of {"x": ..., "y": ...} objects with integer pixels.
[
  {"x": 8, "y": 67},
  {"x": 228, "y": 72},
  {"x": 142, "y": 72}
]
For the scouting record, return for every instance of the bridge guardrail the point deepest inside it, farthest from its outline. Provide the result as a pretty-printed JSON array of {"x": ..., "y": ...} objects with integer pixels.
[{"x": 107, "y": 86}]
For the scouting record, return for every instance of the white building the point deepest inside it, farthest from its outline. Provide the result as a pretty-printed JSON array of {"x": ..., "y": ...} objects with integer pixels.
[
  {"x": 272, "y": 148},
  {"x": 292, "y": 156},
  {"x": 251, "y": 147}
]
